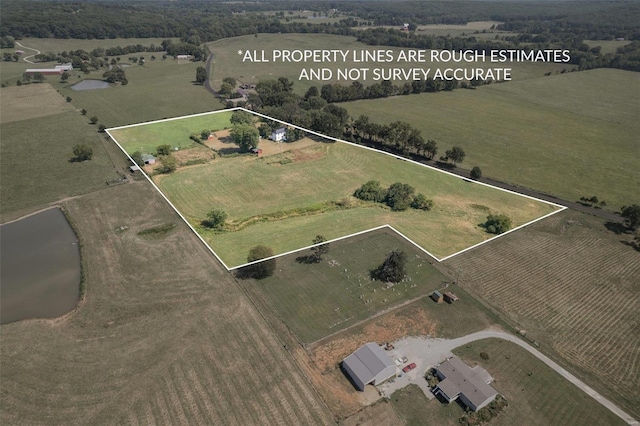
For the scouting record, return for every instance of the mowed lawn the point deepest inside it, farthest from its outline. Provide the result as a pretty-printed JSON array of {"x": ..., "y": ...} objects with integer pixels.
[
  {"x": 247, "y": 186},
  {"x": 146, "y": 138},
  {"x": 570, "y": 135},
  {"x": 535, "y": 392},
  {"x": 321, "y": 298},
  {"x": 227, "y": 62}
]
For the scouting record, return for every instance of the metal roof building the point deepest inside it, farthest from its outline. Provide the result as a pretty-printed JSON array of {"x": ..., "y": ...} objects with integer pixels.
[
  {"x": 369, "y": 364},
  {"x": 459, "y": 380}
]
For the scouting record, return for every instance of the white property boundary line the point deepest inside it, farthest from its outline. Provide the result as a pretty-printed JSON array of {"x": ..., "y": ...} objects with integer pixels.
[{"x": 108, "y": 131}]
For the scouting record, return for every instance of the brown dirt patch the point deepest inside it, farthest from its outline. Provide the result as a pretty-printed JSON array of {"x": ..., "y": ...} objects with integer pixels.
[
  {"x": 307, "y": 154},
  {"x": 197, "y": 153},
  {"x": 272, "y": 148},
  {"x": 394, "y": 326},
  {"x": 31, "y": 101}
]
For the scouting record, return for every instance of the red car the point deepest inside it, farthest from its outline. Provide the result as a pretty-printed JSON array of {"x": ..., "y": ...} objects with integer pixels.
[{"x": 409, "y": 367}]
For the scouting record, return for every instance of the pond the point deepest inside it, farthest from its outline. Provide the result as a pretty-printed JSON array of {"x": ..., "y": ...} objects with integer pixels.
[
  {"x": 39, "y": 267},
  {"x": 90, "y": 85}
]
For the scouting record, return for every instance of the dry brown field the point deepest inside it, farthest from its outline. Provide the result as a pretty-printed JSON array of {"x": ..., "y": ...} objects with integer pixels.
[
  {"x": 573, "y": 286},
  {"x": 164, "y": 335},
  {"x": 30, "y": 101}
]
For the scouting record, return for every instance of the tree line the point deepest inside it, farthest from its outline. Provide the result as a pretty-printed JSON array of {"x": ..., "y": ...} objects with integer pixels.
[
  {"x": 276, "y": 99},
  {"x": 541, "y": 26}
]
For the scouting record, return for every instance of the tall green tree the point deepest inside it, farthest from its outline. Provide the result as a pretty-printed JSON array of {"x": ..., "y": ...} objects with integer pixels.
[
  {"x": 400, "y": 196},
  {"x": 201, "y": 75},
  {"x": 245, "y": 136},
  {"x": 319, "y": 250},
  {"x": 82, "y": 152},
  {"x": 497, "y": 223},
  {"x": 262, "y": 269},
  {"x": 241, "y": 117},
  {"x": 455, "y": 155},
  {"x": 215, "y": 219},
  {"x": 631, "y": 215},
  {"x": 394, "y": 267}
]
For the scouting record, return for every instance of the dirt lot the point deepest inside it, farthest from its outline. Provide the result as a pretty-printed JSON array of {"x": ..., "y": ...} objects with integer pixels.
[
  {"x": 31, "y": 101},
  {"x": 221, "y": 142},
  {"x": 164, "y": 335}
]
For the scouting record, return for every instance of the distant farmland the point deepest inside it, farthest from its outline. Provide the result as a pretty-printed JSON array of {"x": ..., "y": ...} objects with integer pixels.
[
  {"x": 228, "y": 63},
  {"x": 575, "y": 288},
  {"x": 277, "y": 193},
  {"x": 571, "y": 135}
]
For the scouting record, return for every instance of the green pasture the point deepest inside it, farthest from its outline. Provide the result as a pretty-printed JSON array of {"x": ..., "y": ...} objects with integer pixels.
[
  {"x": 227, "y": 62},
  {"x": 248, "y": 186},
  {"x": 34, "y": 161},
  {"x": 157, "y": 90},
  {"x": 570, "y": 135},
  {"x": 535, "y": 392},
  {"x": 317, "y": 299},
  {"x": 56, "y": 45},
  {"x": 146, "y": 138},
  {"x": 607, "y": 46}
]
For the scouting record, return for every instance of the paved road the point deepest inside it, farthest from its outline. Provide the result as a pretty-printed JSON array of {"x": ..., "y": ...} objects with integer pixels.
[
  {"x": 26, "y": 58},
  {"x": 428, "y": 352}
]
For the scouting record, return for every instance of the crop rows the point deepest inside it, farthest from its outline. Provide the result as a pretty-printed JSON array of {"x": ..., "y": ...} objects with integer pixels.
[{"x": 570, "y": 286}]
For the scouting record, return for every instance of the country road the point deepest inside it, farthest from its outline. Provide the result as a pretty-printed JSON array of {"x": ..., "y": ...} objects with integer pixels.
[
  {"x": 430, "y": 352},
  {"x": 26, "y": 58}
]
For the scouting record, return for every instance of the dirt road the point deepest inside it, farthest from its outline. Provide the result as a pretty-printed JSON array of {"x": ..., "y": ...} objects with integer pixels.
[{"x": 27, "y": 58}]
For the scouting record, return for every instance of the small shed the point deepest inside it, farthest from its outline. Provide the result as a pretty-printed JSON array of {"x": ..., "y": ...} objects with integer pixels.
[
  {"x": 279, "y": 134},
  {"x": 437, "y": 297},
  {"x": 184, "y": 57},
  {"x": 148, "y": 159},
  {"x": 134, "y": 169},
  {"x": 450, "y": 297}
]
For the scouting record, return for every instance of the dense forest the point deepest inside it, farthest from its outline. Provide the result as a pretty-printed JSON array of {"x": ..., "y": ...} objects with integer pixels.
[
  {"x": 212, "y": 20},
  {"x": 541, "y": 25}
]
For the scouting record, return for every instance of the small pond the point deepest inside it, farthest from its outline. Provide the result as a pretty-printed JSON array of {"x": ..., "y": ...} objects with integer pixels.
[
  {"x": 39, "y": 267},
  {"x": 90, "y": 85}
]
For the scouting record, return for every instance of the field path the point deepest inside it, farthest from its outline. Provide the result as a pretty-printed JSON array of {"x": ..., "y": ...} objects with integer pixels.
[
  {"x": 438, "y": 349},
  {"x": 26, "y": 58}
]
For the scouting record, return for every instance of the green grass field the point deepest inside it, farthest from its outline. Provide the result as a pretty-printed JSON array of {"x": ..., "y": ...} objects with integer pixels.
[
  {"x": 157, "y": 90},
  {"x": 176, "y": 133},
  {"x": 607, "y": 46},
  {"x": 249, "y": 186},
  {"x": 570, "y": 135},
  {"x": 11, "y": 71},
  {"x": 321, "y": 298},
  {"x": 534, "y": 391},
  {"x": 34, "y": 161},
  {"x": 228, "y": 63}
]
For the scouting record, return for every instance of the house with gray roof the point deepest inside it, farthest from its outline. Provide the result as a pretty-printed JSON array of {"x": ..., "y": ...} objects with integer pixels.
[
  {"x": 369, "y": 364},
  {"x": 471, "y": 385}
]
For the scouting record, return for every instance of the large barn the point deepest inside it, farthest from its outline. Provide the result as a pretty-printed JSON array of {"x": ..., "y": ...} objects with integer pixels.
[{"x": 369, "y": 364}]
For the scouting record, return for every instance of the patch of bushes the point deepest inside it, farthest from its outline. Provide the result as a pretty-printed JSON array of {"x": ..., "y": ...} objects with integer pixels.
[
  {"x": 486, "y": 414},
  {"x": 497, "y": 223},
  {"x": 157, "y": 232},
  {"x": 399, "y": 196}
]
